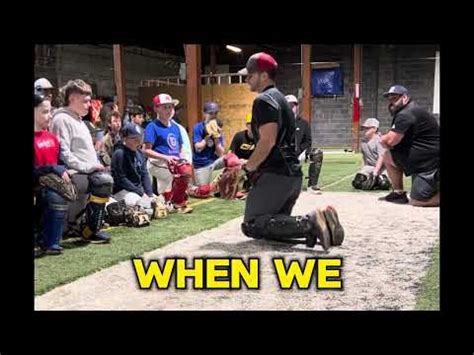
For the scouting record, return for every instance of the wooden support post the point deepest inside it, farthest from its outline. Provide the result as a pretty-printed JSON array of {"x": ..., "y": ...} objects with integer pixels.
[
  {"x": 356, "y": 98},
  {"x": 306, "y": 80},
  {"x": 119, "y": 77},
  {"x": 193, "y": 85}
]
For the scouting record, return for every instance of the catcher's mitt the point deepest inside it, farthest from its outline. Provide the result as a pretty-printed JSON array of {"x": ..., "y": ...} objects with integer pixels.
[
  {"x": 136, "y": 216},
  {"x": 231, "y": 182},
  {"x": 59, "y": 185},
  {"x": 116, "y": 213},
  {"x": 159, "y": 209},
  {"x": 213, "y": 129}
]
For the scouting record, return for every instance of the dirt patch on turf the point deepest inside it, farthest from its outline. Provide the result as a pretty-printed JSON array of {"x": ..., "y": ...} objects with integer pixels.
[{"x": 386, "y": 252}]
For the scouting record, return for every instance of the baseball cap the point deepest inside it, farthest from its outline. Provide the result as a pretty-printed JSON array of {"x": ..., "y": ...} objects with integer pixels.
[
  {"x": 210, "y": 107},
  {"x": 132, "y": 130},
  {"x": 163, "y": 99},
  {"x": 291, "y": 98},
  {"x": 248, "y": 118},
  {"x": 396, "y": 90},
  {"x": 42, "y": 84},
  {"x": 259, "y": 62},
  {"x": 371, "y": 122}
]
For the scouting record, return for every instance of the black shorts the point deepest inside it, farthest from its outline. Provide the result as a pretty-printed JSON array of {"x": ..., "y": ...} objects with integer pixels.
[{"x": 424, "y": 185}]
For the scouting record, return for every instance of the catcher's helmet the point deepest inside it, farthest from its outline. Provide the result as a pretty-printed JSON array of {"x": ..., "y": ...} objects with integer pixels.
[{"x": 364, "y": 182}]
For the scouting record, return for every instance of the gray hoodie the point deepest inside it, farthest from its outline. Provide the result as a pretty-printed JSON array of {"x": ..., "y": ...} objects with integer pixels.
[{"x": 77, "y": 148}]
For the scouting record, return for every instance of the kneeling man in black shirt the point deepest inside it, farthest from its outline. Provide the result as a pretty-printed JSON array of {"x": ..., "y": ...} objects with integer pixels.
[{"x": 413, "y": 149}]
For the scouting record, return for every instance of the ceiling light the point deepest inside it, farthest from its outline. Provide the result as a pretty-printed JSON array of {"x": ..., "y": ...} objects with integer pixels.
[{"x": 234, "y": 49}]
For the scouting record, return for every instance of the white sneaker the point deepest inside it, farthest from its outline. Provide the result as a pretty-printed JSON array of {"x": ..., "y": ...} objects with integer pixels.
[
  {"x": 184, "y": 209},
  {"x": 315, "y": 190}
]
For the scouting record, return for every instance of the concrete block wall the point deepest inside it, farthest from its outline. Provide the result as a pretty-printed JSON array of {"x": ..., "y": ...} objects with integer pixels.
[
  {"x": 382, "y": 66},
  {"x": 95, "y": 65},
  {"x": 331, "y": 121}
]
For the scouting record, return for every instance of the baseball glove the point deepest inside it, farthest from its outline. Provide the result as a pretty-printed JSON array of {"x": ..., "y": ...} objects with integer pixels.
[
  {"x": 116, "y": 213},
  {"x": 59, "y": 185},
  {"x": 159, "y": 209},
  {"x": 213, "y": 129},
  {"x": 136, "y": 216},
  {"x": 231, "y": 182}
]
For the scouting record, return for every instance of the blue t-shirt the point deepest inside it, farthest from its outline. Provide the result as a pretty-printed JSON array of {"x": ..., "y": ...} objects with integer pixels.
[
  {"x": 164, "y": 140},
  {"x": 207, "y": 155}
]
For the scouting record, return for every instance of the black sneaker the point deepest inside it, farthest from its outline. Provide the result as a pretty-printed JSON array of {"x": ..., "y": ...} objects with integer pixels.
[
  {"x": 395, "y": 197},
  {"x": 53, "y": 251},
  {"x": 38, "y": 252},
  {"x": 100, "y": 236}
]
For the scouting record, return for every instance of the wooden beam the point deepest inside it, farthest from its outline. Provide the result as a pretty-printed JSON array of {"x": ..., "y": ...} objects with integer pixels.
[
  {"x": 356, "y": 98},
  {"x": 306, "y": 80},
  {"x": 120, "y": 77},
  {"x": 193, "y": 85}
]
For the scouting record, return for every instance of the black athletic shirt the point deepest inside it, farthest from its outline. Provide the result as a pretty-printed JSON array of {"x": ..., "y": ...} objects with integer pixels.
[
  {"x": 271, "y": 106},
  {"x": 242, "y": 145},
  {"x": 418, "y": 151}
]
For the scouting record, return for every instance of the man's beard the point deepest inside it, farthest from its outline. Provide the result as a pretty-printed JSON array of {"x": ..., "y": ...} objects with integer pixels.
[
  {"x": 391, "y": 108},
  {"x": 396, "y": 106}
]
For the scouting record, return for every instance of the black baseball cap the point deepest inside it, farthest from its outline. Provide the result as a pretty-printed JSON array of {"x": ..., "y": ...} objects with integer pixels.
[
  {"x": 396, "y": 90},
  {"x": 132, "y": 130}
]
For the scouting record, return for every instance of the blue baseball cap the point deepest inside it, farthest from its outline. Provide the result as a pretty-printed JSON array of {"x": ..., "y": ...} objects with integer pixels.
[
  {"x": 396, "y": 90},
  {"x": 210, "y": 107},
  {"x": 132, "y": 130}
]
